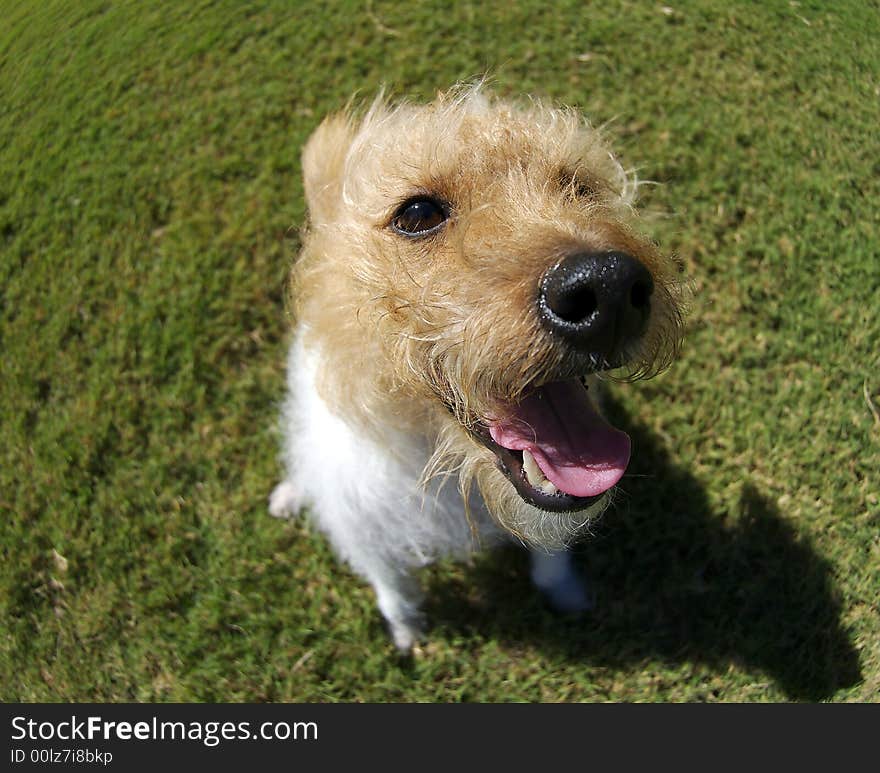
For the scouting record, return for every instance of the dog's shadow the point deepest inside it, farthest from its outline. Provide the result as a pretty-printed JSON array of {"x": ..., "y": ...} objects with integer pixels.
[{"x": 673, "y": 581}]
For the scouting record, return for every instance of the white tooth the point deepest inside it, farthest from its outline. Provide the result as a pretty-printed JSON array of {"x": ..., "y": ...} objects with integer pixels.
[
  {"x": 531, "y": 469},
  {"x": 548, "y": 488}
]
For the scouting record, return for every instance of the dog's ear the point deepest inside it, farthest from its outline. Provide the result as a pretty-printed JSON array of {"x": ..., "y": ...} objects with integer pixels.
[{"x": 322, "y": 161}]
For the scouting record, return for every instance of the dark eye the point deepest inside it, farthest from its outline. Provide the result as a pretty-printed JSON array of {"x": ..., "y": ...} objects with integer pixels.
[
  {"x": 577, "y": 187},
  {"x": 418, "y": 217},
  {"x": 585, "y": 190}
]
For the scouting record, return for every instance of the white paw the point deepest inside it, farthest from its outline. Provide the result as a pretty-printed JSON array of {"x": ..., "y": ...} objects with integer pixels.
[
  {"x": 569, "y": 596},
  {"x": 405, "y": 634},
  {"x": 284, "y": 501},
  {"x": 561, "y": 583},
  {"x": 399, "y": 599}
]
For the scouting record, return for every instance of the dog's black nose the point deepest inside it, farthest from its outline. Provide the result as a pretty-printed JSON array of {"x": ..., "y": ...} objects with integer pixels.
[{"x": 598, "y": 301}]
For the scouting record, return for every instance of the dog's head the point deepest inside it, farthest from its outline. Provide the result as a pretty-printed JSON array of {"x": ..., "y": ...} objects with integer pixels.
[{"x": 469, "y": 263}]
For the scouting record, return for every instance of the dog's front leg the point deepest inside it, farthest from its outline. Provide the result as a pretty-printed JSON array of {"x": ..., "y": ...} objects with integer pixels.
[
  {"x": 399, "y": 598},
  {"x": 556, "y": 576}
]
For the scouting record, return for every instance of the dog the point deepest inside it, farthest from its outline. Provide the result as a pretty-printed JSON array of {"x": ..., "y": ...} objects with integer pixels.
[{"x": 470, "y": 271}]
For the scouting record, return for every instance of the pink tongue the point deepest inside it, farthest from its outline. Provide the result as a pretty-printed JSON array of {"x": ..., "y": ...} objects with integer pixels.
[{"x": 578, "y": 451}]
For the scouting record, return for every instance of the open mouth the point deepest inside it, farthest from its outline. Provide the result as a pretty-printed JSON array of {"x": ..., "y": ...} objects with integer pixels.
[{"x": 555, "y": 448}]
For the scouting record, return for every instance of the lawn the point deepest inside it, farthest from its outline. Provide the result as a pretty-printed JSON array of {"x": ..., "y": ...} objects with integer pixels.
[{"x": 150, "y": 196}]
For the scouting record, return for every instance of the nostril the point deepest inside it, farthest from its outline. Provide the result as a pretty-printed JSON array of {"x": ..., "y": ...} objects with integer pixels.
[
  {"x": 640, "y": 295},
  {"x": 574, "y": 304}
]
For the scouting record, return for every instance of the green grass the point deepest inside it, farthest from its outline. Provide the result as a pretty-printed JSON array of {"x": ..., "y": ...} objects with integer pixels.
[{"x": 149, "y": 197}]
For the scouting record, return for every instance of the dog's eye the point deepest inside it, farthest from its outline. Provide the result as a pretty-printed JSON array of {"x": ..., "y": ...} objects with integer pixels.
[
  {"x": 585, "y": 190},
  {"x": 577, "y": 187},
  {"x": 419, "y": 217}
]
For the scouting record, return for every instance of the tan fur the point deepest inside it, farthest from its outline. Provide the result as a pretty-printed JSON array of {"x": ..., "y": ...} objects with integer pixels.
[{"x": 437, "y": 333}]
